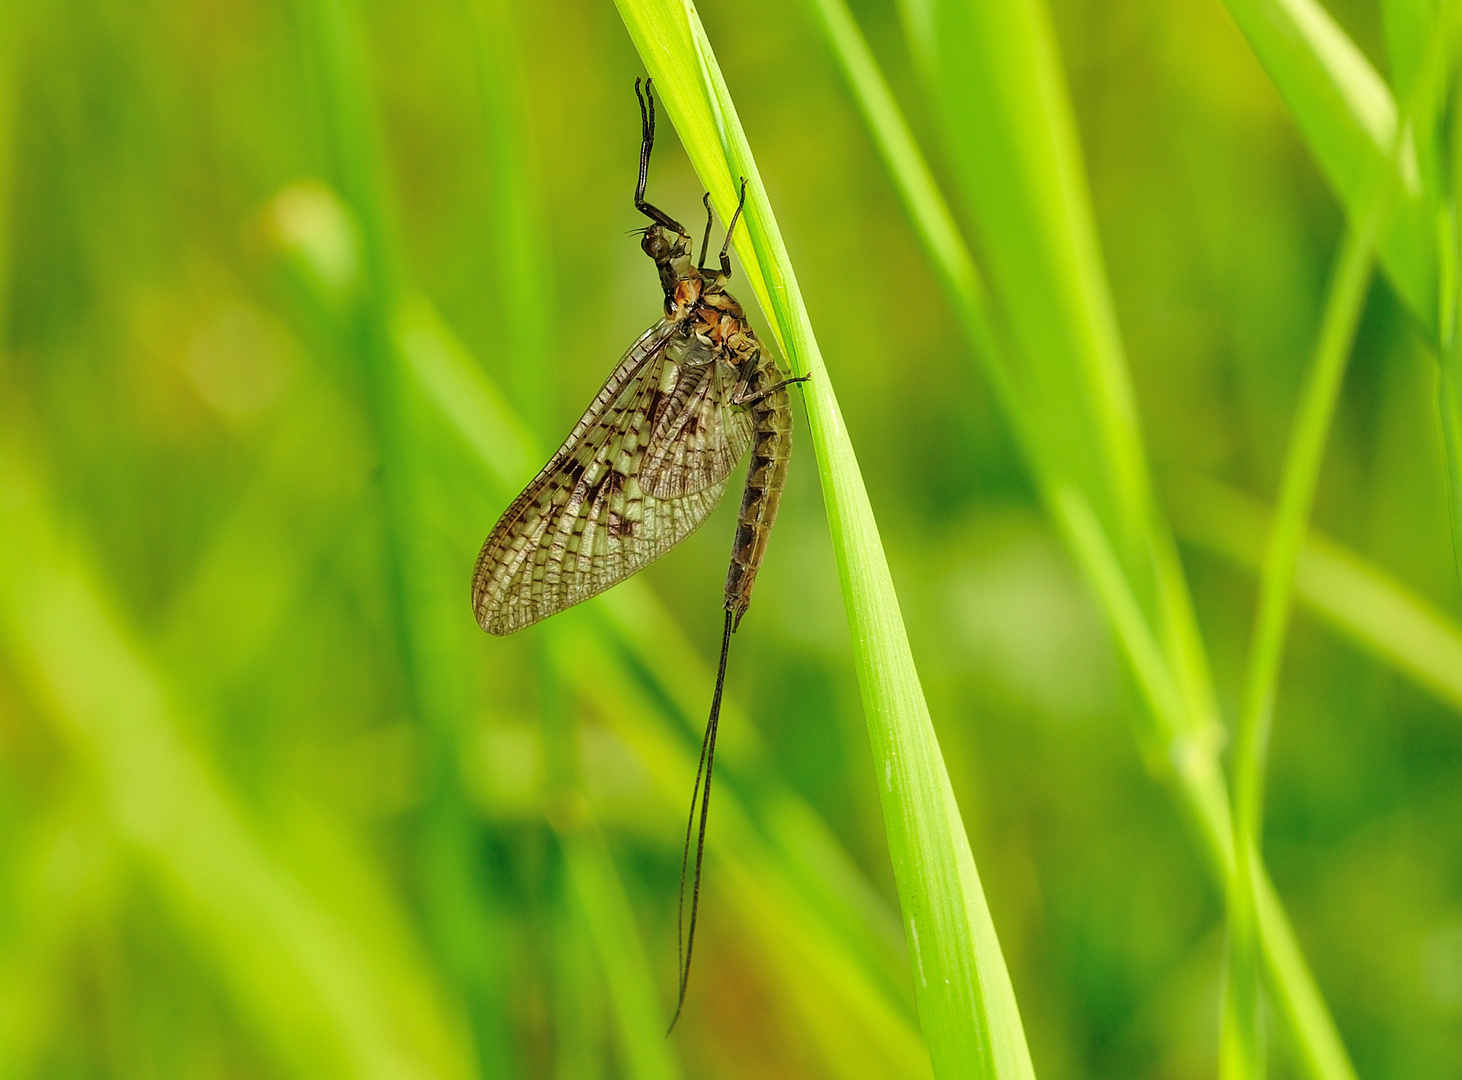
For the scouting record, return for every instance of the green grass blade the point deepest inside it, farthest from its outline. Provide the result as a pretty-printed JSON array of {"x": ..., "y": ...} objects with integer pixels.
[
  {"x": 950, "y": 257},
  {"x": 1367, "y": 605},
  {"x": 1242, "y": 1051},
  {"x": 1348, "y": 119},
  {"x": 1013, "y": 142},
  {"x": 966, "y": 1004},
  {"x": 925, "y": 204}
]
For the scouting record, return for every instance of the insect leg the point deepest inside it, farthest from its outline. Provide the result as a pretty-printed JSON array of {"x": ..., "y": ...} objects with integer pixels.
[
  {"x": 706, "y": 243},
  {"x": 647, "y": 141},
  {"x": 726, "y": 247},
  {"x": 739, "y": 396}
]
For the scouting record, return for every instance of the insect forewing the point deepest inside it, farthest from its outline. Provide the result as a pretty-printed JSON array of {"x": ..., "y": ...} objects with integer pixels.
[{"x": 585, "y": 522}]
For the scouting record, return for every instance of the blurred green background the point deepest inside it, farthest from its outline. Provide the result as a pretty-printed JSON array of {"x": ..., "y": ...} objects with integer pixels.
[{"x": 272, "y": 805}]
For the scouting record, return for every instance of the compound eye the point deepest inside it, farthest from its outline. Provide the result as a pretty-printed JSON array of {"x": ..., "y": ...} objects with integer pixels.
[{"x": 654, "y": 244}]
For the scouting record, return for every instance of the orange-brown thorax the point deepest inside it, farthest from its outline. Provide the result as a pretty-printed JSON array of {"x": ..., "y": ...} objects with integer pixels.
[{"x": 697, "y": 298}]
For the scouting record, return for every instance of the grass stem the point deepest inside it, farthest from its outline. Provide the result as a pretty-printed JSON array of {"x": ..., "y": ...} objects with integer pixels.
[{"x": 966, "y": 1003}]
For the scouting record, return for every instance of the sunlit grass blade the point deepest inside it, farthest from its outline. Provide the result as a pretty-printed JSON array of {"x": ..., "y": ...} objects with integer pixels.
[
  {"x": 1348, "y": 119},
  {"x": 1371, "y": 608},
  {"x": 1009, "y": 131},
  {"x": 1177, "y": 733},
  {"x": 966, "y": 1004},
  {"x": 1029, "y": 415},
  {"x": 927, "y": 208},
  {"x": 1242, "y": 1051}
]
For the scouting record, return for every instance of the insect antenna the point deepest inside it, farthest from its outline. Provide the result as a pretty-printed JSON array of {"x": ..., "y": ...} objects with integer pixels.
[
  {"x": 707, "y": 762},
  {"x": 706, "y": 242}
]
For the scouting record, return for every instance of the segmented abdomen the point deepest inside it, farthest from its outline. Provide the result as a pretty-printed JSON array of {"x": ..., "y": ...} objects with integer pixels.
[{"x": 771, "y": 449}]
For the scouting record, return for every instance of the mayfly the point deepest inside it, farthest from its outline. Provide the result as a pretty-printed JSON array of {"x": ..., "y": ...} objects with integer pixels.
[{"x": 646, "y": 464}]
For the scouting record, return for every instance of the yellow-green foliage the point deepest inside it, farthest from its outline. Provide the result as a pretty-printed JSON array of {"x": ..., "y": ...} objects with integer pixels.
[{"x": 294, "y": 296}]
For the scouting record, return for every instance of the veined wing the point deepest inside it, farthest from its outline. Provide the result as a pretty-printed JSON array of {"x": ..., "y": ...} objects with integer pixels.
[
  {"x": 585, "y": 523},
  {"x": 698, "y": 439}
]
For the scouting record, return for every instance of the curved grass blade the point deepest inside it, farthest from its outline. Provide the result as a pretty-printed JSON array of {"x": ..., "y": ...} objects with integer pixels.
[{"x": 966, "y": 1004}]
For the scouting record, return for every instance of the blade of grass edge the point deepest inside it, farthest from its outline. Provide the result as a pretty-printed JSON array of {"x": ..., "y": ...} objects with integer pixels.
[
  {"x": 966, "y": 1003},
  {"x": 935, "y": 226}
]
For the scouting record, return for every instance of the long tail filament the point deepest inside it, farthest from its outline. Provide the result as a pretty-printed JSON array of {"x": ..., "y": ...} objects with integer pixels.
[{"x": 686, "y": 941}]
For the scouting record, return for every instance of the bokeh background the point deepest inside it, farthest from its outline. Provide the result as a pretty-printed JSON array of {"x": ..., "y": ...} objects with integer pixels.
[{"x": 272, "y": 805}]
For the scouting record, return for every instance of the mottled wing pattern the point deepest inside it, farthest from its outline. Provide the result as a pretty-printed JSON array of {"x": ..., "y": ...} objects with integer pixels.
[
  {"x": 585, "y": 523},
  {"x": 699, "y": 436}
]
